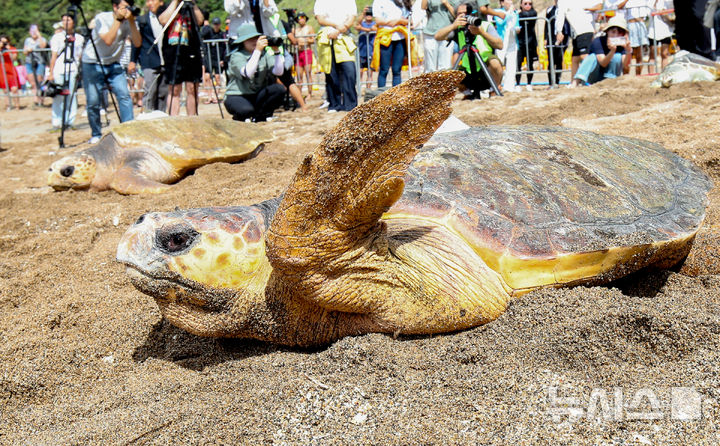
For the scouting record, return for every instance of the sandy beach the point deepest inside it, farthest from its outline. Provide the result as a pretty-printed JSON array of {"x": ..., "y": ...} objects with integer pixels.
[{"x": 85, "y": 358}]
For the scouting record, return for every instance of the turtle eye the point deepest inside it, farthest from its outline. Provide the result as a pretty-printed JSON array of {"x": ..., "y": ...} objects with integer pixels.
[
  {"x": 140, "y": 219},
  {"x": 67, "y": 171},
  {"x": 175, "y": 239}
]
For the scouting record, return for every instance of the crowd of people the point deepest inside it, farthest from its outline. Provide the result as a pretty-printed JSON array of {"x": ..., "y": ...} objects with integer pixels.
[{"x": 256, "y": 55}]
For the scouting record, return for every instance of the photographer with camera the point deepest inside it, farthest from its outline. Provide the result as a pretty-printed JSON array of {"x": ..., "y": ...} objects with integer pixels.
[
  {"x": 609, "y": 55},
  {"x": 182, "y": 54},
  {"x": 109, "y": 34},
  {"x": 471, "y": 29},
  {"x": 64, "y": 70},
  {"x": 253, "y": 91}
]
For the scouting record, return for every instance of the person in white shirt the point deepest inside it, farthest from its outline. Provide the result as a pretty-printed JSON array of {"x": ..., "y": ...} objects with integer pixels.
[
  {"x": 264, "y": 14},
  {"x": 111, "y": 30},
  {"x": 579, "y": 13},
  {"x": 660, "y": 34},
  {"x": 336, "y": 18},
  {"x": 617, "y": 7},
  {"x": 390, "y": 14},
  {"x": 64, "y": 70},
  {"x": 637, "y": 11}
]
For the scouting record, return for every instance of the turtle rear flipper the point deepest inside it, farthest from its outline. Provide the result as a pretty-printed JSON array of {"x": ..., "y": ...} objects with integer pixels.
[{"x": 129, "y": 181}]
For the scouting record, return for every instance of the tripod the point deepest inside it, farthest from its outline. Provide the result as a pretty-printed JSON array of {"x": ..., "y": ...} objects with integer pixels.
[
  {"x": 185, "y": 9},
  {"x": 70, "y": 49},
  {"x": 470, "y": 49}
]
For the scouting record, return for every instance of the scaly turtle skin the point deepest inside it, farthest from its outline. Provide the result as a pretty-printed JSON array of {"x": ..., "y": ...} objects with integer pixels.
[
  {"x": 375, "y": 234},
  {"x": 147, "y": 156}
]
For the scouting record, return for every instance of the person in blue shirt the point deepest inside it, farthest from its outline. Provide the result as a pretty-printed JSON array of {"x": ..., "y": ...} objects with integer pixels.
[{"x": 609, "y": 54}]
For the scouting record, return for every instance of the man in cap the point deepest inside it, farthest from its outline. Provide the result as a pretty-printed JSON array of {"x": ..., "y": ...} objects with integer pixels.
[{"x": 610, "y": 54}]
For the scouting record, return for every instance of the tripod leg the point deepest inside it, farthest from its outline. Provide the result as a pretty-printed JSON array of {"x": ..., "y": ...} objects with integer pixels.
[{"x": 485, "y": 70}]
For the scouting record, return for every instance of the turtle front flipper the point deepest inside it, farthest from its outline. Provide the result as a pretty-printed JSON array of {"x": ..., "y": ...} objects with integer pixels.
[
  {"x": 129, "y": 181},
  {"x": 339, "y": 193}
]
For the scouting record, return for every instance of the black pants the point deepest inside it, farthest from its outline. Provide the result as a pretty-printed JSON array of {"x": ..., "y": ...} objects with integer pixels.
[
  {"x": 689, "y": 30},
  {"x": 558, "y": 53},
  {"x": 528, "y": 50},
  {"x": 257, "y": 107}
]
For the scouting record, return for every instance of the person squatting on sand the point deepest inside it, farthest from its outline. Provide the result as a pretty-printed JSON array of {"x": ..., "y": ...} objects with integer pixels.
[
  {"x": 111, "y": 30},
  {"x": 610, "y": 55},
  {"x": 64, "y": 71},
  {"x": 252, "y": 91},
  {"x": 484, "y": 38}
]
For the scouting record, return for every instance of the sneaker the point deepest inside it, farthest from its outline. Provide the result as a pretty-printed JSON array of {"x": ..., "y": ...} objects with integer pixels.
[
  {"x": 94, "y": 140},
  {"x": 324, "y": 104},
  {"x": 529, "y": 87}
]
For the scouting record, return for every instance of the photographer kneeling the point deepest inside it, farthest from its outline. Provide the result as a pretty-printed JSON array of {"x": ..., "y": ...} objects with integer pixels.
[
  {"x": 609, "y": 55},
  {"x": 484, "y": 38},
  {"x": 252, "y": 91}
]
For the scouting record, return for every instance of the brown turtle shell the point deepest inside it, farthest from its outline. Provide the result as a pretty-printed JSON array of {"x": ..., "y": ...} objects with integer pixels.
[{"x": 550, "y": 205}]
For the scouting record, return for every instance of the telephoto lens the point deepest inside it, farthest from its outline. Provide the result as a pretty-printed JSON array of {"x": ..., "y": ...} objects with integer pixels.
[{"x": 474, "y": 21}]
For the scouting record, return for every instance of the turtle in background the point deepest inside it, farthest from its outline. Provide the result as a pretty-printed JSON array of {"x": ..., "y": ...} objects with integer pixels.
[
  {"x": 687, "y": 67},
  {"x": 378, "y": 233},
  {"x": 140, "y": 157}
]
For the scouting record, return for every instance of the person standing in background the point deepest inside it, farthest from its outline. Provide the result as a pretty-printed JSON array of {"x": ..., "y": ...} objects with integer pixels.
[
  {"x": 149, "y": 56},
  {"x": 527, "y": 41},
  {"x": 440, "y": 13},
  {"x": 35, "y": 61},
  {"x": 64, "y": 71}
]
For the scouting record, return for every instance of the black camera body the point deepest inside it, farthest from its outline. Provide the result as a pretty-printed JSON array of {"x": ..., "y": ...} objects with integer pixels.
[
  {"x": 474, "y": 20},
  {"x": 291, "y": 14},
  {"x": 369, "y": 11},
  {"x": 135, "y": 10},
  {"x": 275, "y": 41}
]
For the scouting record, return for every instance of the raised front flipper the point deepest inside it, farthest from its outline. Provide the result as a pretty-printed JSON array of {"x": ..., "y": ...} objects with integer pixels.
[{"x": 331, "y": 209}]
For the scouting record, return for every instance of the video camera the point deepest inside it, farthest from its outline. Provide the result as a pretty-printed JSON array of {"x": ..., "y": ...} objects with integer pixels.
[{"x": 291, "y": 14}]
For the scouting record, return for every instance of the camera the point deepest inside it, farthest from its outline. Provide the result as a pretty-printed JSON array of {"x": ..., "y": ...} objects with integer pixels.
[
  {"x": 369, "y": 11},
  {"x": 135, "y": 10},
  {"x": 291, "y": 14},
  {"x": 473, "y": 20},
  {"x": 274, "y": 41}
]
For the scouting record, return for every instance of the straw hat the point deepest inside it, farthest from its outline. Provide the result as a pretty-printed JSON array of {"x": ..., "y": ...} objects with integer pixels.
[{"x": 617, "y": 22}]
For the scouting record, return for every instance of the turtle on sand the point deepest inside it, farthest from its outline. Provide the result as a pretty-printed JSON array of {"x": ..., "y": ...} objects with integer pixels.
[
  {"x": 148, "y": 156},
  {"x": 377, "y": 233},
  {"x": 687, "y": 67}
]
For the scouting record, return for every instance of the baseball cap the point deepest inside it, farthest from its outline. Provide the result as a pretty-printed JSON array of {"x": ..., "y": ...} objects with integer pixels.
[{"x": 216, "y": 21}]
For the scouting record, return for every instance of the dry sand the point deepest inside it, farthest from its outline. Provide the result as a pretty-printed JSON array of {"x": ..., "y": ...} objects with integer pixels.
[{"x": 85, "y": 358}]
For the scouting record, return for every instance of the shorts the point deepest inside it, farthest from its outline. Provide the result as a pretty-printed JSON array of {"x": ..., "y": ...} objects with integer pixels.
[
  {"x": 638, "y": 34},
  {"x": 581, "y": 44},
  {"x": 187, "y": 69},
  {"x": 665, "y": 41},
  {"x": 287, "y": 78},
  {"x": 39, "y": 69},
  {"x": 305, "y": 57}
]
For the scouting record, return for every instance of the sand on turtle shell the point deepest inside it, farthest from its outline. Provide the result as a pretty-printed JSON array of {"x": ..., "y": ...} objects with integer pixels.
[{"x": 85, "y": 358}]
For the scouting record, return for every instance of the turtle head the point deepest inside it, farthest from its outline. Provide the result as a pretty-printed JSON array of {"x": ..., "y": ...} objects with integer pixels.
[
  {"x": 72, "y": 172},
  {"x": 201, "y": 265}
]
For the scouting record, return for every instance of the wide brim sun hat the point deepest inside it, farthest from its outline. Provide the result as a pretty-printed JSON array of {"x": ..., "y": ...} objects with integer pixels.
[{"x": 245, "y": 32}]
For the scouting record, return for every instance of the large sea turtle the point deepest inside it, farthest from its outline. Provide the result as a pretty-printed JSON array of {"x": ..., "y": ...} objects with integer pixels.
[
  {"x": 148, "y": 156},
  {"x": 376, "y": 234},
  {"x": 687, "y": 67}
]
